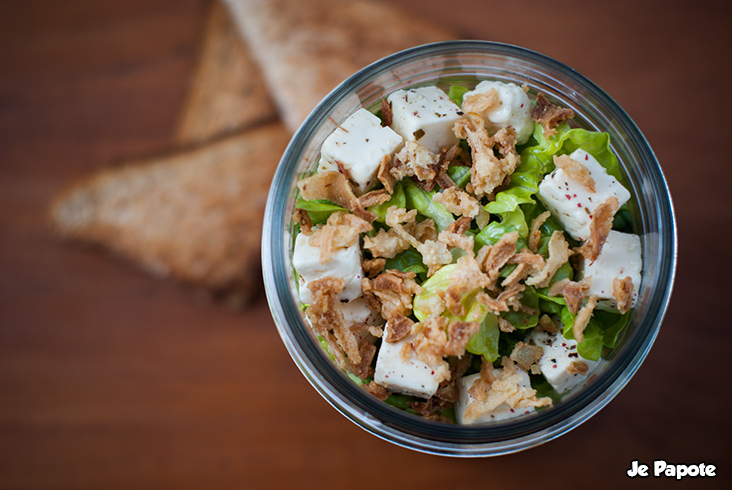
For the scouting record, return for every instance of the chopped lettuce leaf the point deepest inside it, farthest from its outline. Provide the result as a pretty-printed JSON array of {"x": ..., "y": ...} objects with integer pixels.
[
  {"x": 456, "y": 93},
  {"x": 522, "y": 320},
  {"x": 591, "y": 346},
  {"x": 402, "y": 402},
  {"x": 565, "y": 141},
  {"x": 318, "y": 209},
  {"x": 421, "y": 200},
  {"x": 459, "y": 174},
  {"x": 398, "y": 199},
  {"x": 512, "y": 221},
  {"x": 612, "y": 324},
  {"x": 623, "y": 221},
  {"x": 485, "y": 340},
  {"x": 407, "y": 261},
  {"x": 544, "y": 388}
]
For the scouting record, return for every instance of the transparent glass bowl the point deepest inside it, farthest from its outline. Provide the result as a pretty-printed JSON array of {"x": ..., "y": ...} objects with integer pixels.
[{"x": 467, "y": 62}]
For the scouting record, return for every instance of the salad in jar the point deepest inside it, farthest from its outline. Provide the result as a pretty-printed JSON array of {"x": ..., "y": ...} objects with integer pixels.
[{"x": 465, "y": 253}]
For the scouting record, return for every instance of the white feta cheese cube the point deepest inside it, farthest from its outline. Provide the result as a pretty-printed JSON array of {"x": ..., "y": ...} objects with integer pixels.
[
  {"x": 425, "y": 115},
  {"x": 559, "y": 354},
  {"x": 358, "y": 311},
  {"x": 359, "y": 144},
  {"x": 620, "y": 258},
  {"x": 501, "y": 412},
  {"x": 344, "y": 263},
  {"x": 410, "y": 375},
  {"x": 513, "y": 109},
  {"x": 571, "y": 203}
]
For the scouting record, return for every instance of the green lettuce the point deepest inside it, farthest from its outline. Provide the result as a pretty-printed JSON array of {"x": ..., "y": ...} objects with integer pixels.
[
  {"x": 565, "y": 141},
  {"x": 522, "y": 320},
  {"x": 460, "y": 175},
  {"x": 407, "y": 261},
  {"x": 591, "y": 346},
  {"x": 456, "y": 93},
  {"x": 318, "y": 209},
  {"x": 421, "y": 200},
  {"x": 510, "y": 221},
  {"x": 485, "y": 341},
  {"x": 398, "y": 199}
]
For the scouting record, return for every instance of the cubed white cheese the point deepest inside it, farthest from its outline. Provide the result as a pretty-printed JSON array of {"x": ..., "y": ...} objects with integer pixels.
[
  {"x": 501, "y": 412},
  {"x": 344, "y": 263},
  {"x": 571, "y": 203},
  {"x": 513, "y": 109},
  {"x": 559, "y": 354},
  {"x": 359, "y": 144},
  {"x": 425, "y": 115},
  {"x": 409, "y": 376},
  {"x": 620, "y": 258},
  {"x": 358, "y": 311}
]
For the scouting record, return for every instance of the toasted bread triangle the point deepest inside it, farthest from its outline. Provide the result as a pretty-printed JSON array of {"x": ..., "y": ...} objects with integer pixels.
[
  {"x": 228, "y": 92},
  {"x": 307, "y": 48},
  {"x": 195, "y": 216}
]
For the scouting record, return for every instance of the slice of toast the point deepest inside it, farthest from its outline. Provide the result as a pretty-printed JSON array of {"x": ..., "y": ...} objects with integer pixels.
[
  {"x": 195, "y": 216},
  {"x": 305, "y": 49},
  {"x": 228, "y": 91}
]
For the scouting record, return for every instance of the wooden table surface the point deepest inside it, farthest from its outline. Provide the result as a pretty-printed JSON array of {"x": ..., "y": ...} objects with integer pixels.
[{"x": 112, "y": 379}]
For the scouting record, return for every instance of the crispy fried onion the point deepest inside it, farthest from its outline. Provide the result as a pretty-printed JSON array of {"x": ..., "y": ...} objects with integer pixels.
[
  {"x": 559, "y": 254},
  {"x": 493, "y": 258},
  {"x": 414, "y": 160},
  {"x": 527, "y": 263},
  {"x": 465, "y": 278},
  {"x": 459, "y": 333},
  {"x": 583, "y": 317},
  {"x": 374, "y": 197},
  {"x": 327, "y": 321},
  {"x": 373, "y": 267},
  {"x": 576, "y": 171},
  {"x": 600, "y": 227},
  {"x": 445, "y": 396},
  {"x": 303, "y": 219},
  {"x": 458, "y": 202},
  {"x": 399, "y": 327},
  {"x": 387, "y": 116},
  {"x": 333, "y": 186},
  {"x": 535, "y": 233},
  {"x": 454, "y": 235},
  {"x": 549, "y": 115},
  {"x": 499, "y": 387},
  {"x": 493, "y": 305},
  {"x": 384, "y": 174},
  {"x": 479, "y": 103},
  {"x": 435, "y": 254},
  {"x": 578, "y": 367},
  {"x": 488, "y": 170},
  {"x": 525, "y": 355},
  {"x": 573, "y": 292},
  {"x": 429, "y": 342},
  {"x": 394, "y": 291},
  {"x": 547, "y": 324},
  {"x": 504, "y": 325},
  {"x": 340, "y": 231},
  {"x": 623, "y": 293},
  {"x": 448, "y": 156},
  {"x": 385, "y": 244},
  {"x": 377, "y": 390}
]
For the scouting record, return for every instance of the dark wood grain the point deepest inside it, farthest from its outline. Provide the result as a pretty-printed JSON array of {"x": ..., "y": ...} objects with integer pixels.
[{"x": 112, "y": 379}]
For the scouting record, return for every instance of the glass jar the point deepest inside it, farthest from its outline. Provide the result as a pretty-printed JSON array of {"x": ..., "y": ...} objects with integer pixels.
[{"x": 467, "y": 62}]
